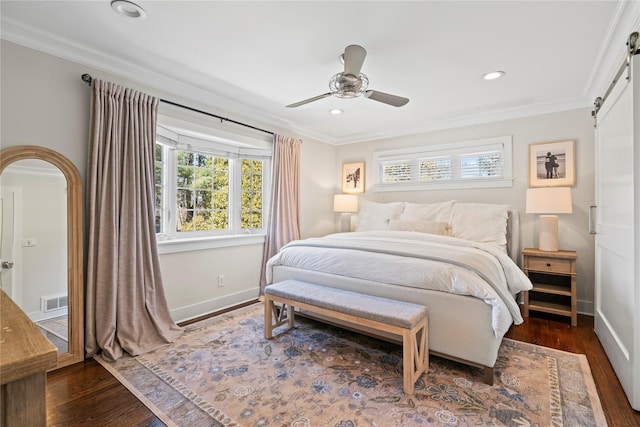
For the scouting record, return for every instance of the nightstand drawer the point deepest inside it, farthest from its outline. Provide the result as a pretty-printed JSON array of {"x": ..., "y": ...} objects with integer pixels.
[{"x": 549, "y": 264}]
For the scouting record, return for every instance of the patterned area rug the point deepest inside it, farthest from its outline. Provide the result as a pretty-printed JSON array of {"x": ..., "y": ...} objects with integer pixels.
[
  {"x": 58, "y": 326},
  {"x": 222, "y": 372}
]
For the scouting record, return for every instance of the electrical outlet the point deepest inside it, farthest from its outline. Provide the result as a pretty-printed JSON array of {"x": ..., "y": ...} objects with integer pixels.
[
  {"x": 221, "y": 280},
  {"x": 28, "y": 243}
]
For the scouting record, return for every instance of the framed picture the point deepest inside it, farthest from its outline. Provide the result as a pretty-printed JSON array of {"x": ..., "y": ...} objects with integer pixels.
[
  {"x": 353, "y": 177},
  {"x": 552, "y": 164}
]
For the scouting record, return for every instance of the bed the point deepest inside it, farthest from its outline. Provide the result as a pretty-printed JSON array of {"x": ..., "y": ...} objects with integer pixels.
[{"x": 458, "y": 259}]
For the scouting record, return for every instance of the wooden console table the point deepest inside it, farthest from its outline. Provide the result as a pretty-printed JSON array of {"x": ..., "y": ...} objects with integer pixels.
[{"x": 25, "y": 357}]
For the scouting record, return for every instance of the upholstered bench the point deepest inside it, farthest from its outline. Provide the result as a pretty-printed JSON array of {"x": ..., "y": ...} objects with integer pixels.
[{"x": 396, "y": 317}]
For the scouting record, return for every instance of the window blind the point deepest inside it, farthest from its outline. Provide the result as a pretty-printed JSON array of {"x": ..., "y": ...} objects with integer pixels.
[{"x": 467, "y": 164}]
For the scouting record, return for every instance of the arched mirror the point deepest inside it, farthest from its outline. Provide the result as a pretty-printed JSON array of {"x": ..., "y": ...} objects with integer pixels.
[{"x": 42, "y": 242}]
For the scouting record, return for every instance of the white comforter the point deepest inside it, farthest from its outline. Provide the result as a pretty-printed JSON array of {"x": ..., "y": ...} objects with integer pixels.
[{"x": 418, "y": 260}]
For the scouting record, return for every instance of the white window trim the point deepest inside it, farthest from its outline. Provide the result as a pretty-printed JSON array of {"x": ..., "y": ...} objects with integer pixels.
[
  {"x": 444, "y": 149},
  {"x": 173, "y": 241},
  {"x": 208, "y": 242}
]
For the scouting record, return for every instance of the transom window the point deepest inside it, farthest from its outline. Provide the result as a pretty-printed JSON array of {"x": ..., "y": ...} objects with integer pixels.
[{"x": 468, "y": 164}]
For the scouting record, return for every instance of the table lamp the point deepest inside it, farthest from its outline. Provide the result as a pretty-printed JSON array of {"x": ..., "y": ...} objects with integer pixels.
[
  {"x": 549, "y": 201},
  {"x": 346, "y": 204}
]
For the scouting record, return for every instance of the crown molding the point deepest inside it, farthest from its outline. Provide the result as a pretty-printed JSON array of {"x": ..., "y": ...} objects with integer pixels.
[
  {"x": 75, "y": 52},
  {"x": 609, "y": 58},
  {"x": 473, "y": 119}
]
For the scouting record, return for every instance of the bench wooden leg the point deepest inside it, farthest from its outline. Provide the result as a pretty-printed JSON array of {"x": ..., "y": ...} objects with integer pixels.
[
  {"x": 275, "y": 316},
  {"x": 290, "y": 316},
  {"x": 268, "y": 317},
  {"x": 415, "y": 354}
]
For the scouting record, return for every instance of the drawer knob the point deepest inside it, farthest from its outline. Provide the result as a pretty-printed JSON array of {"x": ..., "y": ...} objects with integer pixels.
[{"x": 548, "y": 264}]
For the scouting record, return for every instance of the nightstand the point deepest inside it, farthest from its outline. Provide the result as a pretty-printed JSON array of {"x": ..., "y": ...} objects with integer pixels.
[{"x": 553, "y": 275}]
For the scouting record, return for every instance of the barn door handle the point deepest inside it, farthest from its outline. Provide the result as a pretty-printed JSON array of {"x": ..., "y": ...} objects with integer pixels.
[{"x": 592, "y": 229}]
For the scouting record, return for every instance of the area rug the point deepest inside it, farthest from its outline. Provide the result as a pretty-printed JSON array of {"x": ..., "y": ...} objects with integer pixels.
[
  {"x": 58, "y": 326},
  {"x": 222, "y": 372}
]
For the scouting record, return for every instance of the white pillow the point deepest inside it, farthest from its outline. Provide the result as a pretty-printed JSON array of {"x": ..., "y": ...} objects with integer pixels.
[
  {"x": 376, "y": 216},
  {"x": 427, "y": 211},
  {"x": 480, "y": 222},
  {"x": 431, "y": 227}
]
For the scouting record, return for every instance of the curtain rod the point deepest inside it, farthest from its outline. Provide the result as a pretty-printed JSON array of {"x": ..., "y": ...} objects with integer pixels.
[{"x": 88, "y": 79}]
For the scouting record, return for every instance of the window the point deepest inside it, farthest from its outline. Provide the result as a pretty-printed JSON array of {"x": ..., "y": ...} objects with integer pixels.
[
  {"x": 435, "y": 169},
  {"x": 202, "y": 192},
  {"x": 160, "y": 179},
  {"x": 469, "y": 164},
  {"x": 251, "y": 215},
  {"x": 206, "y": 188},
  {"x": 398, "y": 171}
]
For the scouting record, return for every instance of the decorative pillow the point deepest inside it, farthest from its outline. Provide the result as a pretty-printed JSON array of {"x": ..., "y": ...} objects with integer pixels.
[
  {"x": 431, "y": 227},
  {"x": 427, "y": 211},
  {"x": 376, "y": 216},
  {"x": 480, "y": 222}
]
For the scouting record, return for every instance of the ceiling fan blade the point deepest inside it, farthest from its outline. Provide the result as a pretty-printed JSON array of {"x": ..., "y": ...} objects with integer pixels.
[
  {"x": 396, "y": 101},
  {"x": 353, "y": 59},
  {"x": 306, "y": 101}
]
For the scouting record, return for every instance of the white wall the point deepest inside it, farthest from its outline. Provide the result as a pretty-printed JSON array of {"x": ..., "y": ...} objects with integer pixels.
[
  {"x": 576, "y": 125},
  {"x": 44, "y": 102}
]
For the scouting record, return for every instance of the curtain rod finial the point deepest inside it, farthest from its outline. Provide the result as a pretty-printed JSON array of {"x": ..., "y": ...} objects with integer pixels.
[{"x": 87, "y": 79}]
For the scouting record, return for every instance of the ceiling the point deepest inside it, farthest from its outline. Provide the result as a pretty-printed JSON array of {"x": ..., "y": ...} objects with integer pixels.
[{"x": 248, "y": 60}]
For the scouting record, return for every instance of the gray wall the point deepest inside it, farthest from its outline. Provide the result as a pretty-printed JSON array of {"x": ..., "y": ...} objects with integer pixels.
[{"x": 574, "y": 125}]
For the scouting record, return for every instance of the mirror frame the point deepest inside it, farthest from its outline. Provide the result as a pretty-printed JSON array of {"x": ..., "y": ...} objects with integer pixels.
[{"x": 75, "y": 280}]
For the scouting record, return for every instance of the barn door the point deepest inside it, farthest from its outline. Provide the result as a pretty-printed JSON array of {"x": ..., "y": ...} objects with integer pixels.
[{"x": 617, "y": 281}]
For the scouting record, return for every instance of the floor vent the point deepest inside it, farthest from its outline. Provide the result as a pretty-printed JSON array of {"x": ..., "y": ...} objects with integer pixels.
[{"x": 53, "y": 302}]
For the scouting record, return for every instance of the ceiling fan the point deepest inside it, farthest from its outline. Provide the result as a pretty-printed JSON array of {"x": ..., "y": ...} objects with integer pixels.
[{"x": 351, "y": 83}]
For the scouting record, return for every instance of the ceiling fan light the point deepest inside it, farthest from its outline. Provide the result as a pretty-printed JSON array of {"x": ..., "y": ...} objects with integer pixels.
[{"x": 348, "y": 86}]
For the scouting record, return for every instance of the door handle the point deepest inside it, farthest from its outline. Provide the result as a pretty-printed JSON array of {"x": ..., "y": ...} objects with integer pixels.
[{"x": 7, "y": 264}]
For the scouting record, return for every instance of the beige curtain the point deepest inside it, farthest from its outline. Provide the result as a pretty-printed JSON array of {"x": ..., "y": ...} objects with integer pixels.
[
  {"x": 284, "y": 211},
  {"x": 125, "y": 300}
]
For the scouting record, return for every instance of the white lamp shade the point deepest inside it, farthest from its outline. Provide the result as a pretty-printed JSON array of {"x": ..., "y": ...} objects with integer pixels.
[
  {"x": 345, "y": 203},
  {"x": 549, "y": 200}
]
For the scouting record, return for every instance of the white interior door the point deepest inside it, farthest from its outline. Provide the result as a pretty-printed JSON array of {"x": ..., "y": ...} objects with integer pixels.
[
  {"x": 617, "y": 278},
  {"x": 10, "y": 282}
]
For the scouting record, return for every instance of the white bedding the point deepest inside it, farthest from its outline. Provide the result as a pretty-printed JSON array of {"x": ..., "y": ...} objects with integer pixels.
[{"x": 416, "y": 260}]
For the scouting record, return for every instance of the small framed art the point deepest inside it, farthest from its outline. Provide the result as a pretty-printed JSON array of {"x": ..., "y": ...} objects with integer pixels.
[
  {"x": 353, "y": 177},
  {"x": 552, "y": 164}
]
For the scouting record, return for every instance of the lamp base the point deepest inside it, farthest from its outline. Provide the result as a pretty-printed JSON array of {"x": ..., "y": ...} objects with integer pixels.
[
  {"x": 345, "y": 224},
  {"x": 548, "y": 239}
]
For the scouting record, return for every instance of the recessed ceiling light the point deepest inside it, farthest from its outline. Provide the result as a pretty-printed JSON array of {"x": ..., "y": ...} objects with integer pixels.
[
  {"x": 493, "y": 75},
  {"x": 336, "y": 111},
  {"x": 128, "y": 9}
]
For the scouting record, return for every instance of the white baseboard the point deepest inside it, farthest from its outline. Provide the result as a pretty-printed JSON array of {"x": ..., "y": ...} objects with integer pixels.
[
  {"x": 37, "y": 316},
  {"x": 585, "y": 307},
  {"x": 189, "y": 312}
]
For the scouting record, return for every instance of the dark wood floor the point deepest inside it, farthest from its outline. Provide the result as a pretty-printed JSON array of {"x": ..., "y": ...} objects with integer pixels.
[{"x": 87, "y": 395}]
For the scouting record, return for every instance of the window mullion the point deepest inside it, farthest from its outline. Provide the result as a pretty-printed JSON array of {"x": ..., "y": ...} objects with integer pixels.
[
  {"x": 235, "y": 192},
  {"x": 170, "y": 191}
]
